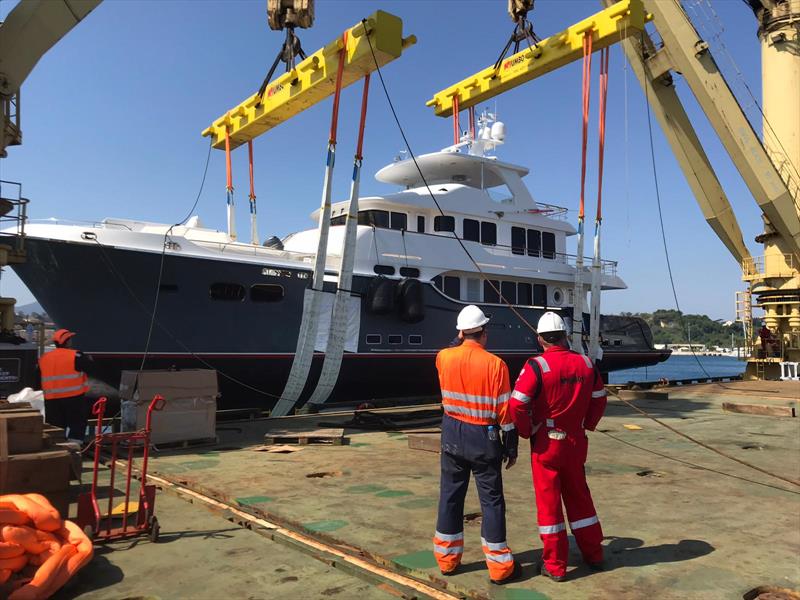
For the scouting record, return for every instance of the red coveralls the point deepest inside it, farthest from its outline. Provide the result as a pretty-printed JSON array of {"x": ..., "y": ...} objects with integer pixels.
[{"x": 571, "y": 398}]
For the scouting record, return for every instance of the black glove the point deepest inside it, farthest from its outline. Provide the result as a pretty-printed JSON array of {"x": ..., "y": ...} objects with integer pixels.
[{"x": 510, "y": 443}]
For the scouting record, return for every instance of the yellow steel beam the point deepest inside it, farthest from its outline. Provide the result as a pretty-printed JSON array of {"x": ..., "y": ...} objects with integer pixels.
[
  {"x": 608, "y": 27},
  {"x": 313, "y": 79}
]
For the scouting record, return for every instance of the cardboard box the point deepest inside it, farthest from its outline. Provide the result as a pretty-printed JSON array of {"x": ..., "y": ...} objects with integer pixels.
[{"x": 190, "y": 412}]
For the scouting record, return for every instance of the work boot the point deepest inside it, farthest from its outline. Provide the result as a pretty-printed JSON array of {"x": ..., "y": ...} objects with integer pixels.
[
  {"x": 513, "y": 577},
  {"x": 545, "y": 573},
  {"x": 454, "y": 571}
]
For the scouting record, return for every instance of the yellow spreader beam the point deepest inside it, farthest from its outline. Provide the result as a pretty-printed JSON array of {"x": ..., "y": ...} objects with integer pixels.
[
  {"x": 608, "y": 27},
  {"x": 313, "y": 79}
]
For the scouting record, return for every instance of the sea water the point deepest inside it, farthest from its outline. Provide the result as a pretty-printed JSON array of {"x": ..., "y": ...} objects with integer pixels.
[{"x": 682, "y": 367}]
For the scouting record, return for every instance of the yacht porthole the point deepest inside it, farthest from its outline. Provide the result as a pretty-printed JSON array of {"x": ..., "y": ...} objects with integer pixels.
[{"x": 558, "y": 296}]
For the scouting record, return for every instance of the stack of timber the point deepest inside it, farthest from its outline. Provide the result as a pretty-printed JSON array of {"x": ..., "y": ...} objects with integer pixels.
[{"x": 34, "y": 456}]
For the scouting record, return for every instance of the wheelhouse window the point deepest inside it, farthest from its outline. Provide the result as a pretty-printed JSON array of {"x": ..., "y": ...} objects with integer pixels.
[
  {"x": 266, "y": 292},
  {"x": 374, "y": 218},
  {"x": 420, "y": 224},
  {"x": 490, "y": 289},
  {"x": 452, "y": 287},
  {"x": 540, "y": 294},
  {"x": 399, "y": 220},
  {"x": 548, "y": 244},
  {"x": 488, "y": 233},
  {"x": 518, "y": 240},
  {"x": 230, "y": 292},
  {"x": 472, "y": 230},
  {"x": 534, "y": 242},
  {"x": 509, "y": 291},
  {"x": 340, "y": 220},
  {"x": 444, "y": 223},
  {"x": 524, "y": 294}
]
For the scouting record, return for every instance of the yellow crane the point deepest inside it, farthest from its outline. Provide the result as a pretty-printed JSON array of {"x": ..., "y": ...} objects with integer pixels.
[{"x": 770, "y": 168}]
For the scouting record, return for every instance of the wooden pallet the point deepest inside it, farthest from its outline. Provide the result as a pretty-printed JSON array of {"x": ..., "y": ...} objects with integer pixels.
[
  {"x": 178, "y": 444},
  {"x": 331, "y": 437},
  {"x": 431, "y": 442}
]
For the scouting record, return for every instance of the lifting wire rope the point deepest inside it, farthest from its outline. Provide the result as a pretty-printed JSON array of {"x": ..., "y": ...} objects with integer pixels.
[
  {"x": 229, "y": 187},
  {"x": 483, "y": 276}
]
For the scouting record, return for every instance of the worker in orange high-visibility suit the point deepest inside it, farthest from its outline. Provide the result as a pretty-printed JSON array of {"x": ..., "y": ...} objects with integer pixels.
[
  {"x": 558, "y": 396},
  {"x": 477, "y": 436},
  {"x": 65, "y": 384}
]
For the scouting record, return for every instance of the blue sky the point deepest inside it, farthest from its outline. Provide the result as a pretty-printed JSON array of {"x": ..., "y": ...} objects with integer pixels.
[{"x": 112, "y": 118}]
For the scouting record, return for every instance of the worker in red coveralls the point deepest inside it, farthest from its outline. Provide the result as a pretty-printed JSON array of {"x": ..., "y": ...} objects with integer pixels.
[
  {"x": 559, "y": 395},
  {"x": 477, "y": 436}
]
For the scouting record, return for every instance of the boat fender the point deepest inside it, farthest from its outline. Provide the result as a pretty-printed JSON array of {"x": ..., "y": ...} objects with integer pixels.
[
  {"x": 380, "y": 298},
  {"x": 411, "y": 301}
]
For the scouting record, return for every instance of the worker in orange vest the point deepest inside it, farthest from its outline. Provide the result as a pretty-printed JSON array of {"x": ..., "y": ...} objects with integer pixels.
[
  {"x": 478, "y": 434},
  {"x": 65, "y": 384}
]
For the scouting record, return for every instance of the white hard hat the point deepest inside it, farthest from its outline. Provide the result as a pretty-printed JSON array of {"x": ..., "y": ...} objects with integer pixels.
[
  {"x": 471, "y": 319},
  {"x": 550, "y": 321}
]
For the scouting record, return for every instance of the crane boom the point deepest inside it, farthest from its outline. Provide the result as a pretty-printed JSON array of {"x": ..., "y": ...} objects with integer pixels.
[{"x": 31, "y": 29}]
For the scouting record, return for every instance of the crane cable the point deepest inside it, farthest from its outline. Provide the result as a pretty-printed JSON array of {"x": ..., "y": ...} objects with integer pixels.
[
  {"x": 516, "y": 312},
  {"x": 252, "y": 197}
]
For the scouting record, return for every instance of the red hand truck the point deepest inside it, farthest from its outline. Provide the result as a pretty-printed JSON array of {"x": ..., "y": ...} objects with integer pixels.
[{"x": 101, "y": 527}]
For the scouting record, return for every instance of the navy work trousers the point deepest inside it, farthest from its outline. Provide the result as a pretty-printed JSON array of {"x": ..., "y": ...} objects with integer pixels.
[{"x": 466, "y": 449}]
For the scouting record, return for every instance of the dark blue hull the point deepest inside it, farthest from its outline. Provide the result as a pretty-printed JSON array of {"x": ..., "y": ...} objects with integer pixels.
[{"x": 106, "y": 295}]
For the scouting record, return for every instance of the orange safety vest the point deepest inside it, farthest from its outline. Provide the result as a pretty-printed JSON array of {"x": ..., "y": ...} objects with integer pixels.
[
  {"x": 59, "y": 377},
  {"x": 475, "y": 386}
]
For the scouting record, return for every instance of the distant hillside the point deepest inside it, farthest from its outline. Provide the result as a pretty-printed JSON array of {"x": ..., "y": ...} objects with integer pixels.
[
  {"x": 672, "y": 327},
  {"x": 30, "y": 309}
]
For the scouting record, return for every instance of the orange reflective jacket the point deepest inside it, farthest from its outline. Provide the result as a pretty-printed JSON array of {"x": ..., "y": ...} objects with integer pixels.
[
  {"x": 475, "y": 387},
  {"x": 59, "y": 377}
]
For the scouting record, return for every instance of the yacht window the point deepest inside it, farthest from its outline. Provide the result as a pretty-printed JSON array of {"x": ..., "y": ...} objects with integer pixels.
[
  {"x": 395, "y": 339},
  {"x": 437, "y": 282},
  {"x": 409, "y": 271},
  {"x": 415, "y": 340},
  {"x": 420, "y": 224},
  {"x": 383, "y": 269},
  {"x": 548, "y": 244},
  {"x": 226, "y": 291},
  {"x": 488, "y": 233},
  {"x": 399, "y": 220},
  {"x": 374, "y": 218},
  {"x": 473, "y": 290},
  {"x": 340, "y": 220},
  {"x": 444, "y": 223},
  {"x": 524, "y": 294},
  {"x": 500, "y": 193},
  {"x": 265, "y": 292},
  {"x": 452, "y": 287},
  {"x": 373, "y": 338},
  {"x": 490, "y": 294},
  {"x": 518, "y": 240},
  {"x": 472, "y": 231},
  {"x": 540, "y": 294},
  {"x": 534, "y": 242},
  {"x": 509, "y": 291}
]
